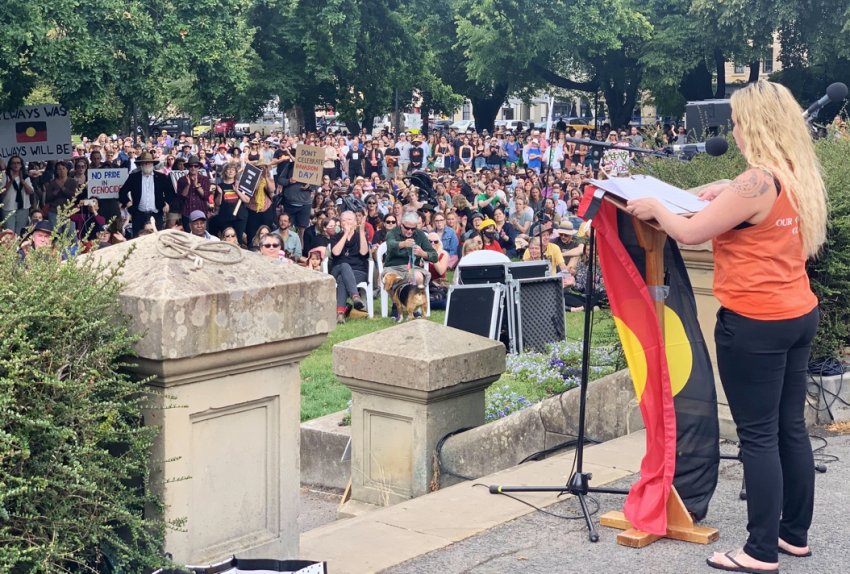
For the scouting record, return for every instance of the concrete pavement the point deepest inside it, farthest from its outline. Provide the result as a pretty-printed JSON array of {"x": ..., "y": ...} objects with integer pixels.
[{"x": 464, "y": 529}]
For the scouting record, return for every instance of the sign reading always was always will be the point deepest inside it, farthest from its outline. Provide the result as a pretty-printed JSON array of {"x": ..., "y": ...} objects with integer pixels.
[{"x": 36, "y": 133}]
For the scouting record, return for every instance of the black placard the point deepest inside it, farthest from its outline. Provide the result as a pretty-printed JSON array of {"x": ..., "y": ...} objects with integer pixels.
[{"x": 249, "y": 181}]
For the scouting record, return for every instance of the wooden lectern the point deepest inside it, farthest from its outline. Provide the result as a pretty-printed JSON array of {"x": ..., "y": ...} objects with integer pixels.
[{"x": 680, "y": 524}]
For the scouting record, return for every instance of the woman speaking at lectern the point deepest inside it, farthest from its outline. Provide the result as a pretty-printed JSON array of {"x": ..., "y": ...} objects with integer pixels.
[{"x": 764, "y": 225}]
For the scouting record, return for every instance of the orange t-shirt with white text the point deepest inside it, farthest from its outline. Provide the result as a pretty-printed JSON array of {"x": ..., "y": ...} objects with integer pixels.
[{"x": 760, "y": 271}]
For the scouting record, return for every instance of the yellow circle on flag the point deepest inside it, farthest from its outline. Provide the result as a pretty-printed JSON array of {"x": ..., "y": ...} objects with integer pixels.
[
  {"x": 30, "y": 131},
  {"x": 677, "y": 349}
]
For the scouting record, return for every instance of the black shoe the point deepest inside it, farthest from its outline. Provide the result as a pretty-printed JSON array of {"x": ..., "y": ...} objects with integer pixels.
[{"x": 358, "y": 303}]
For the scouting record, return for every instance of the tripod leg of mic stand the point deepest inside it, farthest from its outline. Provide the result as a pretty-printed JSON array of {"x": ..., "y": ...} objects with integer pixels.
[{"x": 592, "y": 535}]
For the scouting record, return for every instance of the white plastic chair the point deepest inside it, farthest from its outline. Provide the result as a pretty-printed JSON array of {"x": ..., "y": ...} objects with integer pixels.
[{"x": 385, "y": 297}]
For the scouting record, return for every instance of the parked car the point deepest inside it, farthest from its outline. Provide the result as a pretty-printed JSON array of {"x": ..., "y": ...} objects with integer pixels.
[
  {"x": 463, "y": 126},
  {"x": 580, "y": 123},
  {"x": 225, "y": 127},
  {"x": 439, "y": 125},
  {"x": 174, "y": 126},
  {"x": 242, "y": 128}
]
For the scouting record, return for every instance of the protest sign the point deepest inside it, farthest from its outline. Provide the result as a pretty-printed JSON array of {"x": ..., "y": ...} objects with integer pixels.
[
  {"x": 36, "y": 133},
  {"x": 176, "y": 174},
  {"x": 106, "y": 183},
  {"x": 249, "y": 181},
  {"x": 308, "y": 164}
]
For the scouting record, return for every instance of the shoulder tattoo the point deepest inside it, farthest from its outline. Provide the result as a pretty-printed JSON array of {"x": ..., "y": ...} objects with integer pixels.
[{"x": 752, "y": 183}]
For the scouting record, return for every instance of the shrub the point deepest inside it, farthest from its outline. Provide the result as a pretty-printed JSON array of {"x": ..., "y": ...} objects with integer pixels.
[
  {"x": 74, "y": 456},
  {"x": 830, "y": 273}
]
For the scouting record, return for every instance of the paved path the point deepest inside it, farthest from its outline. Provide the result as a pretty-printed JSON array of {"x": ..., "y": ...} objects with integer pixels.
[{"x": 464, "y": 529}]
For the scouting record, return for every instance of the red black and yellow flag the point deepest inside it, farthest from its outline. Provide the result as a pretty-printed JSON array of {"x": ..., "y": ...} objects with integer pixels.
[
  {"x": 672, "y": 375},
  {"x": 30, "y": 132}
]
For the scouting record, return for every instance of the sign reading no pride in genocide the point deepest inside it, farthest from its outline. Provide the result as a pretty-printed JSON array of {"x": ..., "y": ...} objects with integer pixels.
[
  {"x": 36, "y": 133},
  {"x": 308, "y": 164},
  {"x": 106, "y": 183}
]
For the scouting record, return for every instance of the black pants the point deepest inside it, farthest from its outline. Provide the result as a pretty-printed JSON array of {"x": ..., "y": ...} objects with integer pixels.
[
  {"x": 225, "y": 219},
  {"x": 346, "y": 282},
  {"x": 257, "y": 220},
  {"x": 763, "y": 370},
  {"x": 139, "y": 219}
]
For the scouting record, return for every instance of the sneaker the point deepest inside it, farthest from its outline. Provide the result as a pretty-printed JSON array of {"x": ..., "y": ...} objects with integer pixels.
[
  {"x": 340, "y": 318},
  {"x": 358, "y": 303}
]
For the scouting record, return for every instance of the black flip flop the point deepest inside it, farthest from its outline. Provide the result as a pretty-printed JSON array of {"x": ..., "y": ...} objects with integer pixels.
[
  {"x": 789, "y": 553},
  {"x": 738, "y": 567}
]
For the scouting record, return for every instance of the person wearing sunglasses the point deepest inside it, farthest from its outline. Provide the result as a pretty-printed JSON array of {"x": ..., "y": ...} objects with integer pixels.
[
  {"x": 272, "y": 247},
  {"x": 407, "y": 248}
]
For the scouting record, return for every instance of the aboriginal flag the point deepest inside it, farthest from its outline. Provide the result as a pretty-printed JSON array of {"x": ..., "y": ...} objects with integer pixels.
[
  {"x": 30, "y": 132},
  {"x": 671, "y": 372},
  {"x": 691, "y": 378}
]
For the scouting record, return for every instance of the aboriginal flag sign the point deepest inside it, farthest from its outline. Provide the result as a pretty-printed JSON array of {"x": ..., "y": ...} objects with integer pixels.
[
  {"x": 30, "y": 132},
  {"x": 675, "y": 387}
]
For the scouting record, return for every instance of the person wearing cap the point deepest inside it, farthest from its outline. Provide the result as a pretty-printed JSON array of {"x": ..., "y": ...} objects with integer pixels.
[
  {"x": 146, "y": 194},
  {"x": 417, "y": 155},
  {"x": 196, "y": 191},
  {"x": 489, "y": 236},
  {"x": 198, "y": 225}
]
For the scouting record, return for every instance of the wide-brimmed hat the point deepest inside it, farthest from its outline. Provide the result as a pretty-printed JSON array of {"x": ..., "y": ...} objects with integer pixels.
[
  {"x": 193, "y": 160},
  {"x": 43, "y": 225},
  {"x": 145, "y": 157},
  {"x": 566, "y": 228}
]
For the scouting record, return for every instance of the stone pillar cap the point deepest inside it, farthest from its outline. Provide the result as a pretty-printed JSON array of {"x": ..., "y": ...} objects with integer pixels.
[
  {"x": 229, "y": 299},
  {"x": 420, "y": 355}
]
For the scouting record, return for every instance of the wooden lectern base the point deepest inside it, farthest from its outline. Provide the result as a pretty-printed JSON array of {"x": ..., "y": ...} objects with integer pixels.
[{"x": 680, "y": 526}]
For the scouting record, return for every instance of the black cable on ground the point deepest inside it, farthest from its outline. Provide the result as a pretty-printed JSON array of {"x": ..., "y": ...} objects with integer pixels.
[
  {"x": 439, "y": 452},
  {"x": 544, "y": 511}
]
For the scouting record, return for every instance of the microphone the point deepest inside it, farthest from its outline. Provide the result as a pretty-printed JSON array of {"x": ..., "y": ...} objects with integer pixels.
[
  {"x": 834, "y": 93},
  {"x": 712, "y": 146}
]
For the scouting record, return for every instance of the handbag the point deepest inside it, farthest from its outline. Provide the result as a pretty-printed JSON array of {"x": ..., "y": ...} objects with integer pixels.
[{"x": 440, "y": 163}]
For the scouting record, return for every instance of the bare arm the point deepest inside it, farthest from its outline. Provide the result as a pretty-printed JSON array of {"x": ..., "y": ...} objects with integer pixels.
[{"x": 748, "y": 198}]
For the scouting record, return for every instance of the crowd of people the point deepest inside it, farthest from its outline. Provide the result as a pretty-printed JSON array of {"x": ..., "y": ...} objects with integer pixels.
[{"x": 513, "y": 193}]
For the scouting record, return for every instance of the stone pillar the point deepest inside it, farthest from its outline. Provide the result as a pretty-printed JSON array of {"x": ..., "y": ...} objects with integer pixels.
[
  {"x": 222, "y": 342},
  {"x": 411, "y": 385}
]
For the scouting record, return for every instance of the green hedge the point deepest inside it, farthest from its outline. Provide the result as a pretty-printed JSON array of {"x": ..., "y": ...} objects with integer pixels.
[
  {"x": 830, "y": 273},
  {"x": 74, "y": 457}
]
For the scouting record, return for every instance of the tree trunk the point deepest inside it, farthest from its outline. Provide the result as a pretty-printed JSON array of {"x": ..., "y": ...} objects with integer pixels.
[
  {"x": 486, "y": 108},
  {"x": 720, "y": 69},
  {"x": 755, "y": 68},
  {"x": 308, "y": 109},
  {"x": 424, "y": 111},
  {"x": 696, "y": 84},
  {"x": 296, "y": 119}
]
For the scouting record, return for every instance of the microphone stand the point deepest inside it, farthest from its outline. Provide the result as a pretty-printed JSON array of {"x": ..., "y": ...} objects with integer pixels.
[{"x": 579, "y": 483}]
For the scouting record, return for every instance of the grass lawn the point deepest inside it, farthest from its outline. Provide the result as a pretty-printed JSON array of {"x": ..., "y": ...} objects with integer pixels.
[{"x": 322, "y": 393}]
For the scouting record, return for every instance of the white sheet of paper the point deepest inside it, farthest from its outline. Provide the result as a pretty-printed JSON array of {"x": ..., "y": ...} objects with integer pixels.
[{"x": 675, "y": 199}]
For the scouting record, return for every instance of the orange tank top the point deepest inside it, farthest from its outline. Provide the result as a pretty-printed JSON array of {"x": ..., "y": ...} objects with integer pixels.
[{"x": 760, "y": 271}]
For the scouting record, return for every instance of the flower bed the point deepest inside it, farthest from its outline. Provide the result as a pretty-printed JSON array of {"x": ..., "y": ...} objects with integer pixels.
[{"x": 532, "y": 377}]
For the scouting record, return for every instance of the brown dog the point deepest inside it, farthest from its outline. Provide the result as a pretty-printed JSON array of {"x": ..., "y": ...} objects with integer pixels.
[{"x": 414, "y": 295}]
